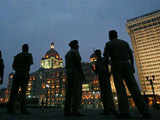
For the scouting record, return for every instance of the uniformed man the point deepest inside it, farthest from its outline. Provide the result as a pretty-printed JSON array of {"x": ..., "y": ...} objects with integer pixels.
[
  {"x": 120, "y": 54},
  {"x": 75, "y": 77},
  {"x": 1, "y": 68},
  {"x": 105, "y": 85},
  {"x": 21, "y": 65}
]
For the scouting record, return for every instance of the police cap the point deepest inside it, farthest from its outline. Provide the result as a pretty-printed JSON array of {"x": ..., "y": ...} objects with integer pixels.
[{"x": 73, "y": 43}]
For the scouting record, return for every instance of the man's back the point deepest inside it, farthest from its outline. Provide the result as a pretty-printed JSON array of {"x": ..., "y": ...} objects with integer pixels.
[
  {"x": 73, "y": 59},
  {"x": 1, "y": 70},
  {"x": 22, "y": 62},
  {"x": 68, "y": 59},
  {"x": 118, "y": 50},
  {"x": 100, "y": 66},
  {"x": 1, "y": 65}
]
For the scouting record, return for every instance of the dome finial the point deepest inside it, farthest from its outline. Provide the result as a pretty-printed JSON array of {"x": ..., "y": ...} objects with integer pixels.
[{"x": 52, "y": 45}]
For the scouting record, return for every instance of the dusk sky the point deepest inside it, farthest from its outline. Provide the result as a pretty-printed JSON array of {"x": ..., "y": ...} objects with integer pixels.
[{"x": 40, "y": 22}]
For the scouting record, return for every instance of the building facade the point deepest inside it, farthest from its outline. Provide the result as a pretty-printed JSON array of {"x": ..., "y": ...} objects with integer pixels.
[
  {"x": 47, "y": 84},
  {"x": 3, "y": 95},
  {"x": 144, "y": 32},
  {"x": 51, "y": 60}
]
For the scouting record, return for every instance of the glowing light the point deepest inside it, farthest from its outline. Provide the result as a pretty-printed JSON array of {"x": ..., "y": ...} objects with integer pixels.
[
  {"x": 47, "y": 85},
  {"x": 115, "y": 98},
  {"x": 93, "y": 59},
  {"x": 52, "y": 45},
  {"x": 85, "y": 87},
  {"x": 57, "y": 56},
  {"x": 11, "y": 76},
  {"x": 43, "y": 85},
  {"x": 29, "y": 89},
  {"x": 19, "y": 90}
]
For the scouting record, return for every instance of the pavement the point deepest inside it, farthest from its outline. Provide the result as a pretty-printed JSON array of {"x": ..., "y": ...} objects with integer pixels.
[{"x": 52, "y": 114}]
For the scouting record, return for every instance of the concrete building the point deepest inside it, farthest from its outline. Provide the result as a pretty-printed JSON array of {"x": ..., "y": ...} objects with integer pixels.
[{"x": 144, "y": 32}]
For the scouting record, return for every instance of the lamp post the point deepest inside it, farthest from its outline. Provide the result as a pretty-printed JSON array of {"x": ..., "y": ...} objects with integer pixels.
[
  {"x": 94, "y": 99},
  {"x": 154, "y": 95},
  {"x": 47, "y": 86}
]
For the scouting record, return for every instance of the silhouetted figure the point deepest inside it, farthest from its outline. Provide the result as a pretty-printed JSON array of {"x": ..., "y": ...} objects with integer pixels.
[
  {"x": 42, "y": 106},
  {"x": 105, "y": 85},
  {"x": 120, "y": 54},
  {"x": 21, "y": 65},
  {"x": 74, "y": 80},
  {"x": 1, "y": 68}
]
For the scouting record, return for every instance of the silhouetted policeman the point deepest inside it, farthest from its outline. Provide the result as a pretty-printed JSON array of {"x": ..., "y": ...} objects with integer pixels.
[
  {"x": 105, "y": 85},
  {"x": 21, "y": 65},
  {"x": 1, "y": 68},
  {"x": 43, "y": 107},
  {"x": 74, "y": 80},
  {"x": 123, "y": 69}
]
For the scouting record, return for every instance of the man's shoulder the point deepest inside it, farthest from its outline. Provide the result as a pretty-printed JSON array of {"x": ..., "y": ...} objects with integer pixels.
[
  {"x": 70, "y": 52},
  {"x": 108, "y": 43},
  {"x": 1, "y": 60},
  {"x": 1, "y": 63},
  {"x": 23, "y": 55},
  {"x": 18, "y": 55},
  {"x": 123, "y": 41},
  {"x": 30, "y": 54}
]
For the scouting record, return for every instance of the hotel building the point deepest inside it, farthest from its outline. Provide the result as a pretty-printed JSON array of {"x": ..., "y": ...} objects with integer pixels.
[
  {"x": 144, "y": 32},
  {"x": 47, "y": 84}
]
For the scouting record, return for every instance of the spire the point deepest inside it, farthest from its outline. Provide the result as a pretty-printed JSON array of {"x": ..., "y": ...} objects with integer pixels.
[{"x": 52, "y": 45}]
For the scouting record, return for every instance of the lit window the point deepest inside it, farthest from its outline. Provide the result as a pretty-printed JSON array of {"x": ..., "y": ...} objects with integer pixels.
[
  {"x": 43, "y": 85},
  {"x": 57, "y": 56},
  {"x": 33, "y": 78}
]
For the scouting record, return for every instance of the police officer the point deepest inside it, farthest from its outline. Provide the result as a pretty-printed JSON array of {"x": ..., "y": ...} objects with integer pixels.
[
  {"x": 120, "y": 54},
  {"x": 105, "y": 85},
  {"x": 74, "y": 80},
  {"x": 21, "y": 65},
  {"x": 1, "y": 68}
]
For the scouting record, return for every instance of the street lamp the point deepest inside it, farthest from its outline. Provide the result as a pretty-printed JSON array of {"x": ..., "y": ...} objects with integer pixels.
[
  {"x": 94, "y": 99},
  {"x": 47, "y": 86},
  {"x": 154, "y": 95}
]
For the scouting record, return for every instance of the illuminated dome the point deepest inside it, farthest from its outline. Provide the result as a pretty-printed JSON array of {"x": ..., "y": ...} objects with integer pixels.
[
  {"x": 51, "y": 59},
  {"x": 52, "y": 53}
]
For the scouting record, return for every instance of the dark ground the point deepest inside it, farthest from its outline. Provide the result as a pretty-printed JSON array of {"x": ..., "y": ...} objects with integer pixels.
[{"x": 52, "y": 114}]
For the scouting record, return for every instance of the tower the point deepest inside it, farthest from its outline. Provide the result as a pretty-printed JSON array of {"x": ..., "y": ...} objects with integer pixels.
[
  {"x": 144, "y": 32},
  {"x": 51, "y": 60}
]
